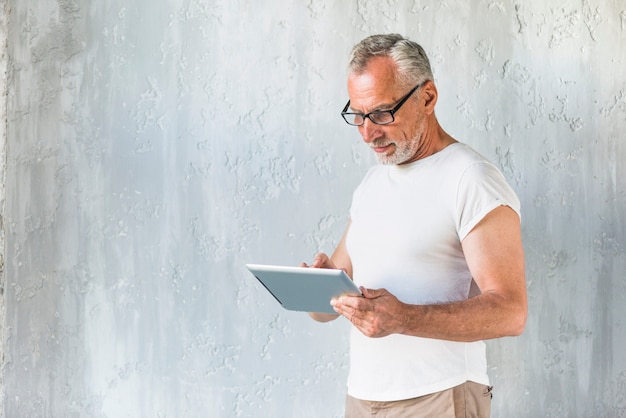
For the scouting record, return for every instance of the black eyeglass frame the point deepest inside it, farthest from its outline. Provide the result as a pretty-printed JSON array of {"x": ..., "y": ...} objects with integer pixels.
[{"x": 348, "y": 115}]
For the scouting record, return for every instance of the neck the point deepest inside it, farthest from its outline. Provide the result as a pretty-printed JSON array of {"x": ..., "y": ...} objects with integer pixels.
[{"x": 434, "y": 139}]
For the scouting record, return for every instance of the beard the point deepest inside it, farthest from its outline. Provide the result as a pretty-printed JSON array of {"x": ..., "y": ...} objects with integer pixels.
[{"x": 403, "y": 150}]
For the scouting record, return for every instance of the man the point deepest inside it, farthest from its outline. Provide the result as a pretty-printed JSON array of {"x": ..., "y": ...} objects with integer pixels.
[{"x": 433, "y": 241}]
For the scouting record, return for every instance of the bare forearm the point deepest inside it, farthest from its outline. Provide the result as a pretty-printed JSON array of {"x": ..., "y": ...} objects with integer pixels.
[
  {"x": 322, "y": 317},
  {"x": 483, "y": 317}
]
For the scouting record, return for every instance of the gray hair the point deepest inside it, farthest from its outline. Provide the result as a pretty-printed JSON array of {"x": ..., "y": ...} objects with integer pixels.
[{"x": 410, "y": 58}]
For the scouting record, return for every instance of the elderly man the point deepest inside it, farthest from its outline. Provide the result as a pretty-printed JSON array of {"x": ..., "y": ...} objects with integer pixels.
[{"x": 433, "y": 241}]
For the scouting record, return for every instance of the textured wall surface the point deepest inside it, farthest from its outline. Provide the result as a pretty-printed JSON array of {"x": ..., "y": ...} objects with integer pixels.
[{"x": 154, "y": 147}]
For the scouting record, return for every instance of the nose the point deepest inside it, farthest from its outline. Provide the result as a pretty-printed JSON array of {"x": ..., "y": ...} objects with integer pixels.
[{"x": 370, "y": 131}]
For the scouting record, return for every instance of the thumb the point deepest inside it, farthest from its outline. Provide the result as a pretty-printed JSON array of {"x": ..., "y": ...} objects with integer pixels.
[{"x": 372, "y": 293}]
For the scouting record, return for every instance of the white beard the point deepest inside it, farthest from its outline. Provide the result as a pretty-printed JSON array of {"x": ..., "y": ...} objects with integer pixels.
[{"x": 401, "y": 153}]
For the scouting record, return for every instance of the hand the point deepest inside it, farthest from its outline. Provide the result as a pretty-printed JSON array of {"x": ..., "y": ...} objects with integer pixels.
[
  {"x": 321, "y": 261},
  {"x": 377, "y": 314}
]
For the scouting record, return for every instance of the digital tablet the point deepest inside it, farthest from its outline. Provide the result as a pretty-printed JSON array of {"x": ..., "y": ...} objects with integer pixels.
[{"x": 302, "y": 288}]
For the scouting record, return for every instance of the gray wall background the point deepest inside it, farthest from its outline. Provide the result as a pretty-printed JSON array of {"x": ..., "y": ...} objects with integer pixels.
[{"x": 151, "y": 148}]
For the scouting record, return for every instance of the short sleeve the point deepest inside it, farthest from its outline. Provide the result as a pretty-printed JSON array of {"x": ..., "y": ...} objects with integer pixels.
[{"x": 481, "y": 189}]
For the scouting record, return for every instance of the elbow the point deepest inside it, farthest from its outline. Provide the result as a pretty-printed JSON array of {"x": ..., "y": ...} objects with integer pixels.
[
  {"x": 510, "y": 316},
  {"x": 518, "y": 322},
  {"x": 517, "y": 329}
]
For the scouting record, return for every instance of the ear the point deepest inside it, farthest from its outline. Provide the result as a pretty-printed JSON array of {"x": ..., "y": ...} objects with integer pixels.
[{"x": 429, "y": 95}]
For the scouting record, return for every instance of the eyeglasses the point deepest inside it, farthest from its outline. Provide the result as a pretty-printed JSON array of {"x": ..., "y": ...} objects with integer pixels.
[{"x": 379, "y": 117}]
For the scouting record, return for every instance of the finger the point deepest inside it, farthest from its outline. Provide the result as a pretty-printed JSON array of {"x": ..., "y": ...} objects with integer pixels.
[
  {"x": 322, "y": 261},
  {"x": 350, "y": 303},
  {"x": 338, "y": 307},
  {"x": 342, "y": 309},
  {"x": 360, "y": 322},
  {"x": 352, "y": 316},
  {"x": 319, "y": 261}
]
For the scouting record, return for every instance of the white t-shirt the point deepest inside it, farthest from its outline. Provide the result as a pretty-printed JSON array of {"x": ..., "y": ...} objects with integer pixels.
[{"x": 407, "y": 224}]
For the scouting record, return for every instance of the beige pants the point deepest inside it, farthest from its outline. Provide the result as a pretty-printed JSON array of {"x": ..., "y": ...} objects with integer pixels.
[{"x": 469, "y": 400}]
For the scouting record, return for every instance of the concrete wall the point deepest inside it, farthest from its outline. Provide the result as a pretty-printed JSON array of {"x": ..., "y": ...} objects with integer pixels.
[{"x": 154, "y": 147}]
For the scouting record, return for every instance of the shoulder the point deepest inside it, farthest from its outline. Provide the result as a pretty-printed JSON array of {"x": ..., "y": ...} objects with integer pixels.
[
  {"x": 462, "y": 154},
  {"x": 466, "y": 162}
]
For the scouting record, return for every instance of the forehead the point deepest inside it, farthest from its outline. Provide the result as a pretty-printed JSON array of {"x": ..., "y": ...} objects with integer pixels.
[{"x": 376, "y": 87}]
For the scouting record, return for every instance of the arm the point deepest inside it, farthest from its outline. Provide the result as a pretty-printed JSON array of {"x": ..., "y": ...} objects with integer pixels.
[
  {"x": 495, "y": 257},
  {"x": 339, "y": 260}
]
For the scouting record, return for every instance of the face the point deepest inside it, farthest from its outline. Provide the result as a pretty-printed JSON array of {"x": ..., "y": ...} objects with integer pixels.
[{"x": 376, "y": 89}]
